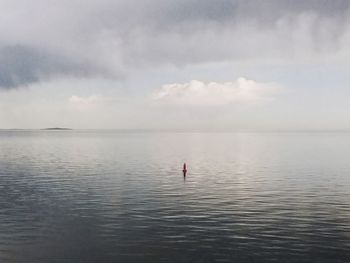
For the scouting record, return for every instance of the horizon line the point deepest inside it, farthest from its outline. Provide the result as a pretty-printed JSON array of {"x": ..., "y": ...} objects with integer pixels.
[{"x": 67, "y": 129}]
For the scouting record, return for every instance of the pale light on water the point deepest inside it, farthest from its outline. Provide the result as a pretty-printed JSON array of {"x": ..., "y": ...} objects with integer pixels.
[{"x": 94, "y": 196}]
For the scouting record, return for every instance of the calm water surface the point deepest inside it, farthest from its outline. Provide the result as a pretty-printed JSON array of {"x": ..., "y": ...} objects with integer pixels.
[{"x": 85, "y": 196}]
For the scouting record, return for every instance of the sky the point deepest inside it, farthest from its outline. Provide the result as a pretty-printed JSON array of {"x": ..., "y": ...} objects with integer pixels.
[{"x": 184, "y": 64}]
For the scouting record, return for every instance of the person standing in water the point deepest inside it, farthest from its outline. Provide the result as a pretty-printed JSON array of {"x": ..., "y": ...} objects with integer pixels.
[{"x": 184, "y": 170}]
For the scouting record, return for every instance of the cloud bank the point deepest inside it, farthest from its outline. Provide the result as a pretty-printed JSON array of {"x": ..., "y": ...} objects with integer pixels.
[
  {"x": 215, "y": 94},
  {"x": 42, "y": 39},
  {"x": 22, "y": 65}
]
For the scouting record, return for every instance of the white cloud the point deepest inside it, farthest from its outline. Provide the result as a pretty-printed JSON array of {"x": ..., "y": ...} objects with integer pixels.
[
  {"x": 212, "y": 94},
  {"x": 85, "y": 103}
]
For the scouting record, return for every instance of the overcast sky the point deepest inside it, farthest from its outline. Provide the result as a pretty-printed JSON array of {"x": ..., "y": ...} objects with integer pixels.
[{"x": 184, "y": 64}]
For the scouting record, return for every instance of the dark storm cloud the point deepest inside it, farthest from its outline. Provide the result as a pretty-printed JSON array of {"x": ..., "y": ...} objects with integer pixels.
[
  {"x": 43, "y": 39},
  {"x": 22, "y": 65},
  {"x": 163, "y": 14},
  {"x": 202, "y": 31}
]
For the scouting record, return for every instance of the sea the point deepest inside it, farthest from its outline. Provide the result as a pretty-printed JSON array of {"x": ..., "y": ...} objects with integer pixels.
[{"x": 74, "y": 196}]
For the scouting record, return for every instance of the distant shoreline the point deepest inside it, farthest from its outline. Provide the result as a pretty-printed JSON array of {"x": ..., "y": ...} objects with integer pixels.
[{"x": 57, "y": 129}]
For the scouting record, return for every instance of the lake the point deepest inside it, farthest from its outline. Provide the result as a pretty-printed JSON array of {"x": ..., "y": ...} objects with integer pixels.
[{"x": 120, "y": 196}]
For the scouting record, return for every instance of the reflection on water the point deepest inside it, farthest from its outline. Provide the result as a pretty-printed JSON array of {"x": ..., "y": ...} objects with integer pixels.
[{"x": 88, "y": 196}]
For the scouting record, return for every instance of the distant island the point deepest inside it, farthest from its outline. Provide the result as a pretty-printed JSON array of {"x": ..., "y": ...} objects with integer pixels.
[{"x": 57, "y": 129}]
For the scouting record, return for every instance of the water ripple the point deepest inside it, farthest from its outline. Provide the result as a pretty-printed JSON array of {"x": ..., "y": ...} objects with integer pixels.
[{"x": 118, "y": 197}]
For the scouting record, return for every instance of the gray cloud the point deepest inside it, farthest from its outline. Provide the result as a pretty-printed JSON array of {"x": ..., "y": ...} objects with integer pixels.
[
  {"x": 48, "y": 39},
  {"x": 22, "y": 65}
]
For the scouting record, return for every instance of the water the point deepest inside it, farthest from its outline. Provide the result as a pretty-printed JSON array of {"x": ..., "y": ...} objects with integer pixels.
[{"x": 92, "y": 196}]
